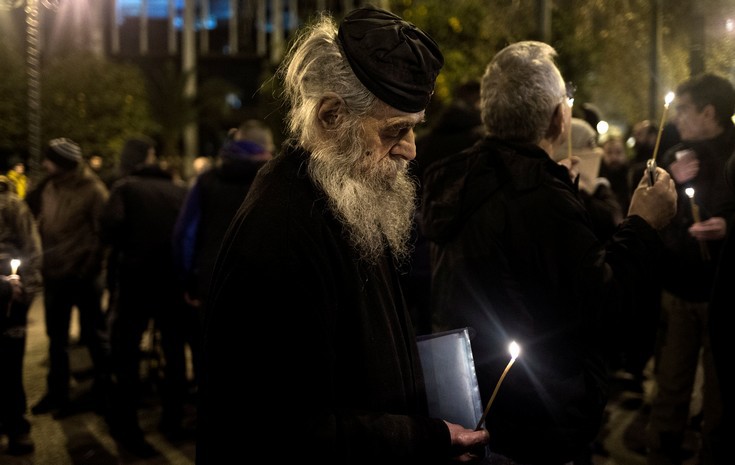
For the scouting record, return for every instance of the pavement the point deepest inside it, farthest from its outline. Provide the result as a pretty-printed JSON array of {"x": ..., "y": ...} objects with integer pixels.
[{"x": 83, "y": 438}]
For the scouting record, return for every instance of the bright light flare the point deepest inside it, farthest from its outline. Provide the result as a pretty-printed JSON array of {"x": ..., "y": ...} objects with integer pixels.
[
  {"x": 514, "y": 349},
  {"x": 669, "y": 98}
]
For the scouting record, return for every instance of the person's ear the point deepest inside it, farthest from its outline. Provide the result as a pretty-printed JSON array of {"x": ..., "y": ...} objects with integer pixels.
[
  {"x": 556, "y": 125},
  {"x": 709, "y": 112},
  {"x": 329, "y": 110}
]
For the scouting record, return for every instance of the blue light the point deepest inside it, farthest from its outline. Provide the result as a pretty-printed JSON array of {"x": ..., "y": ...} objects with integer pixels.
[{"x": 158, "y": 9}]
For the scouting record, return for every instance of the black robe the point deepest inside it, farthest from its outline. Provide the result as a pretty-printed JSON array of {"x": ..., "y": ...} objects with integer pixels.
[{"x": 309, "y": 351}]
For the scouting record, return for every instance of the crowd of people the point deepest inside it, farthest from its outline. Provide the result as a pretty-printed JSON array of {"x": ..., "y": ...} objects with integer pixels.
[{"x": 303, "y": 276}]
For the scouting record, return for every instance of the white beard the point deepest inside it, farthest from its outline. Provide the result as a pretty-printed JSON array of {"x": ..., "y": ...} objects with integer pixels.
[{"x": 375, "y": 200}]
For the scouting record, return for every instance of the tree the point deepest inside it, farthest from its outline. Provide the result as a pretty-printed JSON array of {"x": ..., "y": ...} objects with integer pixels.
[
  {"x": 603, "y": 45},
  {"x": 13, "y": 106},
  {"x": 95, "y": 102}
]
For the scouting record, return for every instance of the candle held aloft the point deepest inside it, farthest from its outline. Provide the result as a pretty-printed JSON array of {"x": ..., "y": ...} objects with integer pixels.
[
  {"x": 515, "y": 351},
  {"x": 651, "y": 164},
  {"x": 667, "y": 101}
]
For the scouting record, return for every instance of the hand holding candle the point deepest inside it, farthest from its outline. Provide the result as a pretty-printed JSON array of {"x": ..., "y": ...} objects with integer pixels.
[
  {"x": 697, "y": 219},
  {"x": 514, "y": 350}
]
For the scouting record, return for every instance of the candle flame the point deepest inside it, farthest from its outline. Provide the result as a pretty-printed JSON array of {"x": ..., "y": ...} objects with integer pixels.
[
  {"x": 514, "y": 349},
  {"x": 669, "y": 98},
  {"x": 14, "y": 265},
  {"x": 690, "y": 192}
]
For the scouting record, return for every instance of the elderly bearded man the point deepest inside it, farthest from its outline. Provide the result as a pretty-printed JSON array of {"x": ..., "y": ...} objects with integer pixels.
[{"x": 305, "y": 303}]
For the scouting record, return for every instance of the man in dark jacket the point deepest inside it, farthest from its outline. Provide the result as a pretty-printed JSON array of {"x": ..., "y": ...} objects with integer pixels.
[
  {"x": 516, "y": 258},
  {"x": 138, "y": 223},
  {"x": 306, "y": 302},
  {"x": 68, "y": 204},
  {"x": 213, "y": 201},
  {"x": 703, "y": 109}
]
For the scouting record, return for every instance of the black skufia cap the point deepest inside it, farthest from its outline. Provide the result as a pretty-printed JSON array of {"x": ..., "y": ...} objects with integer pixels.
[{"x": 392, "y": 58}]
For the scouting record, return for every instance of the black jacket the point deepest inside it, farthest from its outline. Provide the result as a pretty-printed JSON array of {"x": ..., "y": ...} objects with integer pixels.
[
  {"x": 685, "y": 273},
  {"x": 515, "y": 258}
]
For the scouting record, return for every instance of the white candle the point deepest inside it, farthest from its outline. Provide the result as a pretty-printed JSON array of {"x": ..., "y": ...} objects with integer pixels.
[
  {"x": 514, "y": 350},
  {"x": 667, "y": 101},
  {"x": 697, "y": 219}
]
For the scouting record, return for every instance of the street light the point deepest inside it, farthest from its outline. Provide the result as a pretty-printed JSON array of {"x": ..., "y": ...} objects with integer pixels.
[{"x": 33, "y": 71}]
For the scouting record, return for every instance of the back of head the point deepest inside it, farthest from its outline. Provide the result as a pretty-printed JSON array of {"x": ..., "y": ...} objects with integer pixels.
[
  {"x": 64, "y": 153},
  {"x": 257, "y": 132},
  {"x": 584, "y": 140},
  {"x": 521, "y": 88},
  {"x": 135, "y": 153},
  {"x": 710, "y": 89},
  {"x": 373, "y": 54}
]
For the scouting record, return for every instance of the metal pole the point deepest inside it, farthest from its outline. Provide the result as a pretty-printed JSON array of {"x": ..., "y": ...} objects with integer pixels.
[
  {"x": 115, "y": 32},
  {"x": 544, "y": 20},
  {"x": 172, "y": 42},
  {"x": 697, "y": 47},
  {"x": 33, "y": 69},
  {"x": 189, "y": 68},
  {"x": 233, "y": 33}
]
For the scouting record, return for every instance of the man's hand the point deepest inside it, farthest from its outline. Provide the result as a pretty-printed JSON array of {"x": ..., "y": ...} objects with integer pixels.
[
  {"x": 656, "y": 204},
  {"x": 467, "y": 443},
  {"x": 712, "y": 229},
  {"x": 686, "y": 166}
]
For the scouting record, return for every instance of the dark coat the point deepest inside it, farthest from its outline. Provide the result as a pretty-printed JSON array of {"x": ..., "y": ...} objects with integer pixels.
[
  {"x": 685, "y": 273},
  {"x": 208, "y": 210},
  {"x": 515, "y": 258},
  {"x": 307, "y": 347},
  {"x": 68, "y": 206},
  {"x": 721, "y": 306},
  {"x": 138, "y": 223}
]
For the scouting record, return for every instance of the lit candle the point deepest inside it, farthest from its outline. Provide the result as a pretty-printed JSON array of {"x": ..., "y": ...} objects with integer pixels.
[
  {"x": 651, "y": 164},
  {"x": 667, "y": 101},
  {"x": 697, "y": 219},
  {"x": 570, "y": 102},
  {"x": 14, "y": 265},
  {"x": 514, "y": 350},
  {"x": 695, "y": 208}
]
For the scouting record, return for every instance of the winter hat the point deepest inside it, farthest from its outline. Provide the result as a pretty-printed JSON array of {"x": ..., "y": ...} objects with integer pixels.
[
  {"x": 392, "y": 58},
  {"x": 64, "y": 153}
]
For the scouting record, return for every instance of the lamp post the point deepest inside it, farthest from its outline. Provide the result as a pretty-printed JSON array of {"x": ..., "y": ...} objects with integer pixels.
[{"x": 33, "y": 71}]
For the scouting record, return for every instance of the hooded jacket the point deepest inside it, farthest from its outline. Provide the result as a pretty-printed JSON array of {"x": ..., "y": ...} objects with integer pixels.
[{"x": 514, "y": 257}]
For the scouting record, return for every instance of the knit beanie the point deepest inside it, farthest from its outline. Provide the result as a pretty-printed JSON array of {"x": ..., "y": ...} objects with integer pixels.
[{"x": 64, "y": 153}]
